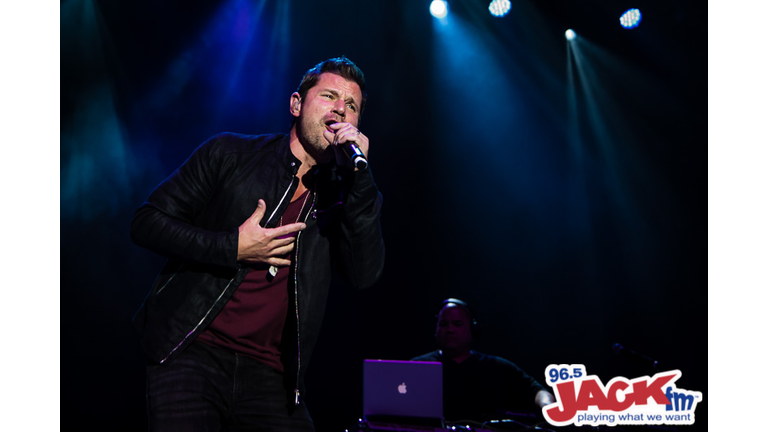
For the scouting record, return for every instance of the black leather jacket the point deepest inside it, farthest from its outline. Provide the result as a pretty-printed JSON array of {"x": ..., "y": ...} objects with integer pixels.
[{"x": 193, "y": 218}]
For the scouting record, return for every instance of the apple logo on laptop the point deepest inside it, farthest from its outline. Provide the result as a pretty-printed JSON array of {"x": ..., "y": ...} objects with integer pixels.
[{"x": 401, "y": 388}]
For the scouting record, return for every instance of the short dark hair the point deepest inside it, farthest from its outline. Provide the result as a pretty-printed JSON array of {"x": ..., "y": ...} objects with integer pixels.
[
  {"x": 474, "y": 324},
  {"x": 341, "y": 66}
]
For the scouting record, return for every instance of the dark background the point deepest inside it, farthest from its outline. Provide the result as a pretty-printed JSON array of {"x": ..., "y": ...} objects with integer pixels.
[{"x": 559, "y": 188}]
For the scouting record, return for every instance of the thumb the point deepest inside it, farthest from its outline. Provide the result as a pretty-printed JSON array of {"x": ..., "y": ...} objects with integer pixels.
[{"x": 261, "y": 208}]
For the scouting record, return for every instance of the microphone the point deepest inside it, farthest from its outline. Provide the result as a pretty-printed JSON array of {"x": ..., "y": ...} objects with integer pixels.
[
  {"x": 619, "y": 350},
  {"x": 354, "y": 154}
]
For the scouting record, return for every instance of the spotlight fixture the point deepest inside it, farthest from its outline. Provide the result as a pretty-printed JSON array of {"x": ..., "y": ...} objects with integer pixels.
[
  {"x": 438, "y": 8},
  {"x": 499, "y": 8},
  {"x": 570, "y": 34},
  {"x": 631, "y": 18}
]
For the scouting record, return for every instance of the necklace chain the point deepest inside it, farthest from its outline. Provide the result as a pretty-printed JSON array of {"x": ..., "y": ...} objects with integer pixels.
[
  {"x": 272, "y": 269},
  {"x": 306, "y": 198}
]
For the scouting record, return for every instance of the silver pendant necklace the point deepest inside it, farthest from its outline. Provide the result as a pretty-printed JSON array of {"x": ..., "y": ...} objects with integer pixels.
[{"x": 273, "y": 269}]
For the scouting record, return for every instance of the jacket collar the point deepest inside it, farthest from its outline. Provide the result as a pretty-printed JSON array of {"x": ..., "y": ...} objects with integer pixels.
[
  {"x": 286, "y": 157},
  {"x": 291, "y": 163}
]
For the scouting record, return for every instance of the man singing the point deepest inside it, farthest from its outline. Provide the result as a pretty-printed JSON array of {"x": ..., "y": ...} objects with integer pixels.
[{"x": 253, "y": 227}]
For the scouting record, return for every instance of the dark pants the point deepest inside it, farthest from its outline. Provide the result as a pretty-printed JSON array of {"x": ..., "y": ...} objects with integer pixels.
[{"x": 209, "y": 389}]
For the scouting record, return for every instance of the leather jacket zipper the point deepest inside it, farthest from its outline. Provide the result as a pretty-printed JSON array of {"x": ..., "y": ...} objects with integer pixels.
[
  {"x": 297, "y": 393},
  {"x": 170, "y": 279},
  {"x": 281, "y": 201},
  {"x": 199, "y": 323},
  {"x": 228, "y": 284}
]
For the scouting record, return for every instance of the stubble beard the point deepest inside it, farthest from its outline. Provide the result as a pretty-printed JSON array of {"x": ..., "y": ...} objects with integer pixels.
[{"x": 311, "y": 138}]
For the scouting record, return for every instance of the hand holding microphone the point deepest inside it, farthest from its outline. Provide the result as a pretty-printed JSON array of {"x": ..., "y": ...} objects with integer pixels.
[
  {"x": 352, "y": 143},
  {"x": 354, "y": 154}
]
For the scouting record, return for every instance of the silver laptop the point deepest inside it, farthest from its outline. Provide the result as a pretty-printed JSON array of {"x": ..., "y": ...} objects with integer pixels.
[{"x": 403, "y": 390}]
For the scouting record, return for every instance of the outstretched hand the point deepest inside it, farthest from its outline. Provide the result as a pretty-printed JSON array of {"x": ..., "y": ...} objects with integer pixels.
[{"x": 265, "y": 245}]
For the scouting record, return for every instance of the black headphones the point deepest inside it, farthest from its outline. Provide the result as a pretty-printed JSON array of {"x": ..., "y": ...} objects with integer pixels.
[{"x": 474, "y": 325}]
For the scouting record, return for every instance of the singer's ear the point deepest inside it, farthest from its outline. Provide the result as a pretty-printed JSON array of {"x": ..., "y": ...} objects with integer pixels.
[{"x": 295, "y": 104}]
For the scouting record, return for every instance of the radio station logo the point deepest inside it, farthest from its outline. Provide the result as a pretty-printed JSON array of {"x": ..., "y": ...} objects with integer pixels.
[{"x": 583, "y": 399}]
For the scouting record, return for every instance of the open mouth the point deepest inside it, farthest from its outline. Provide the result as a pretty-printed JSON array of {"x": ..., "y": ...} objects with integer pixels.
[{"x": 328, "y": 124}]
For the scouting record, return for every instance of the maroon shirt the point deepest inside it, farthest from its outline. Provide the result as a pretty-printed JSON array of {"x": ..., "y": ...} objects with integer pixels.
[{"x": 252, "y": 321}]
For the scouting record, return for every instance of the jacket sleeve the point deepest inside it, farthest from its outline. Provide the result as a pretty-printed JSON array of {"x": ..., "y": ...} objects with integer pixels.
[
  {"x": 361, "y": 245},
  {"x": 165, "y": 223}
]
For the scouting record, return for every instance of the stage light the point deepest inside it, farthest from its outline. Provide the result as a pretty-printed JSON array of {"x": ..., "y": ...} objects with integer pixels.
[
  {"x": 570, "y": 34},
  {"x": 499, "y": 8},
  {"x": 438, "y": 8},
  {"x": 631, "y": 18}
]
